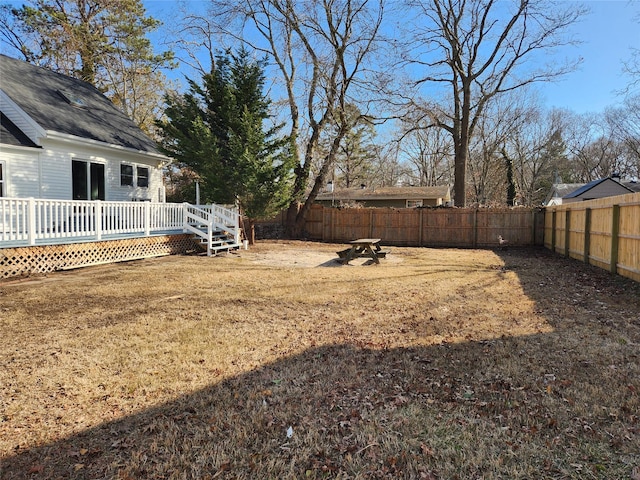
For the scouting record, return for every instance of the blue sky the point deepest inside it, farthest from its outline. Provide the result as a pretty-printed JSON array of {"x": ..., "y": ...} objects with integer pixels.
[{"x": 608, "y": 33}]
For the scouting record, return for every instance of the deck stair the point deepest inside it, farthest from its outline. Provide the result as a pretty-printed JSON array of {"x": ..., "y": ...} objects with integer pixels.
[{"x": 216, "y": 228}]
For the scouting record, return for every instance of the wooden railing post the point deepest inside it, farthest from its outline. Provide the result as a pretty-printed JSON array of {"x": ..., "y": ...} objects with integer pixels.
[
  {"x": 147, "y": 218},
  {"x": 615, "y": 239},
  {"x": 31, "y": 221},
  {"x": 97, "y": 212},
  {"x": 185, "y": 218}
]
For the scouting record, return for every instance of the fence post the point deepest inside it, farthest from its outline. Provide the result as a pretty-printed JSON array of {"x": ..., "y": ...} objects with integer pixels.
[
  {"x": 475, "y": 228},
  {"x": 332, "y": 214},
  {"x": 553, "y": 231},
  {"x": 567, "y": 228},
  {"x": 97, "y": 212},
  {"x": 587, "y": 234},
  {"x": 421, "y": 226},
  {"x": 31, "y": 221},
  {"x": 615, "y": 231},
  {"x": 371, "y": 223}
]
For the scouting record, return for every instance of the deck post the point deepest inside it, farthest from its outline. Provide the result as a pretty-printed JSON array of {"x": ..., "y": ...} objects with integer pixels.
[
  {"x": 185, "y": 221},
  {"x": 31, "y": 220},
  {"x": 147, "y": 219},
  {"x": 97, "y": 218}
]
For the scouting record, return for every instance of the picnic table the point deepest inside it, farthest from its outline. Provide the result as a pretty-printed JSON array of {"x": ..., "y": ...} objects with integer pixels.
[{"x": 362, "y": 248}]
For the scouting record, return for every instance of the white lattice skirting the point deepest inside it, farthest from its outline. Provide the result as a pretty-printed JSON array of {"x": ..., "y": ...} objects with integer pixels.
[{"x": 48, "y": 258}]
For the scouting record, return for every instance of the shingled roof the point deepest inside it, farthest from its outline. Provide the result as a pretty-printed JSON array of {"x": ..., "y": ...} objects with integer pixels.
[
  {"x": 589, "y": 186},
  {"x": 66, "y": 105}
]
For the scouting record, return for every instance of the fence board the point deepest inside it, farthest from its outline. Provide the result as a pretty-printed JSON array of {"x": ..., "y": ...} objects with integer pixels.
[
  {"x": 603, "y": 232},
  {"x": 440, "y": 227}
]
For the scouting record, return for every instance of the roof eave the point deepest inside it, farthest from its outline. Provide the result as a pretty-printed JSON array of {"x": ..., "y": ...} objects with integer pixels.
[{"x": 163, "y": 160}]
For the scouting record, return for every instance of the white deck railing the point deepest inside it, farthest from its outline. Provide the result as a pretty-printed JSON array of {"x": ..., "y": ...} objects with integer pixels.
[{"x": 30, "y": 221}]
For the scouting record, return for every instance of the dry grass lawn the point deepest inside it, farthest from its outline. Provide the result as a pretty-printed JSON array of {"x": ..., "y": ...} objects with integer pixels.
[{"x": 277, "y": 363}]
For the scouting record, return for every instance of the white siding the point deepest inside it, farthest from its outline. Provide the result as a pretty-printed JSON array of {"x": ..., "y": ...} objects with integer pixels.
[
  {"x": 21, "y": 172},
  {"x": 46, "y": 173},
  {"x": 56, "y": 171},
  {"x": 56, "y": 175}
]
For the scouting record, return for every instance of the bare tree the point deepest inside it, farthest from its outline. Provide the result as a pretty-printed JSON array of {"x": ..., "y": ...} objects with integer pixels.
[
  {"x": 472, "y": 51},
  {"x": 624, "y": 124},
  {"x": 537, "y": 152},
  {"x": 631, "y": 67},
  {"x": 491, "y": 170},
  {"x": 594, "y": 151},
  {"x": 320, "y": 49},
  {"x": 429, "y": 152}
]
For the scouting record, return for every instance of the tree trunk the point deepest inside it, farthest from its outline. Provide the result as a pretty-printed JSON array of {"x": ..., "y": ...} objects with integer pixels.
[{"x": 460, "y": 174}]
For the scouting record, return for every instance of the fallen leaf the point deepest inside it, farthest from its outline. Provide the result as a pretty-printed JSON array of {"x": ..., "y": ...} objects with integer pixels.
[{"x": 36, "y": 469}]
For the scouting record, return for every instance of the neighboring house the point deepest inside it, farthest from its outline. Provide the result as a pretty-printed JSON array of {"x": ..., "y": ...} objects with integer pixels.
[
  {"x": 397, "y": 197},
  {"x": 605, "y": 187},
  {"x": 633, "y": 185},
  {"x": 61, "y": 139},
  {"x": 559, "y": 190}
]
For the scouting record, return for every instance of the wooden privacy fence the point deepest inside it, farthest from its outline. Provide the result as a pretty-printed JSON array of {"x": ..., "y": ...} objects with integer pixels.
[
  {"x": 603, "y": 232},
  {"x": 438, "y": 227}
]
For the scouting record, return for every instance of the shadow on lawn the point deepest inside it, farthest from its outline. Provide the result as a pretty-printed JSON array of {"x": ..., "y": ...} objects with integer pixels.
[{"x": 562, "y": 404}]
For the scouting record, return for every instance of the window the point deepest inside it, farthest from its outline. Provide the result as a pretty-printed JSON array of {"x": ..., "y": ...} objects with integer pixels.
[
  {"x": 2, "y": 179},
  {"x": 72, "y": 98},
  {"x": 88, "y": 180},
  {"x": 414, "y": 203},
  {"x": 143, "y": 176},
  {"x": 126, "y": 175}
]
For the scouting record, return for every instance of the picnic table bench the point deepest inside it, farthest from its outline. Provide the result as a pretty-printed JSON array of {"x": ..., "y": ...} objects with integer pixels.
[{"x": 362, "y": 248}]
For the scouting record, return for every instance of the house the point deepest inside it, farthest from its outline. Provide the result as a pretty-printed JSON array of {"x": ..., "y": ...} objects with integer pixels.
[
  {"x": 396, "y": 197},
  {"x": 573, "y": 192},
  {"x": 605, "y": 187},
  {"x": 81, "y": 184},
  {"x": 559, "y": 190},
  {"x": 61, "y": 139}
]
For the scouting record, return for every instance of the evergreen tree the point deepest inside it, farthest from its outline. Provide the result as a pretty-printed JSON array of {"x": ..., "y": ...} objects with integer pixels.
[
  {"x": 218, "y": 130},
  {"x": 355, "y": 157}
]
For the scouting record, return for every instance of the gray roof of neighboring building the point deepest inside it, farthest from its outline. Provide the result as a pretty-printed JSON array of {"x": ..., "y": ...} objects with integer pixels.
[
  {"x": 386, "y": 193},
  {"x": 12, "y": 135},
  {"x": 38, "y": 92},
  {"x": 633, "y": 185},
  {"x": 590, "y": 185},
  {"x": 562, "y": 189}
]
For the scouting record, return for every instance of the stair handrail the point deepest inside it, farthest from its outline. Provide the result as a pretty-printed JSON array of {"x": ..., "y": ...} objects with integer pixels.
[{"x": 213, "y": 217}]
